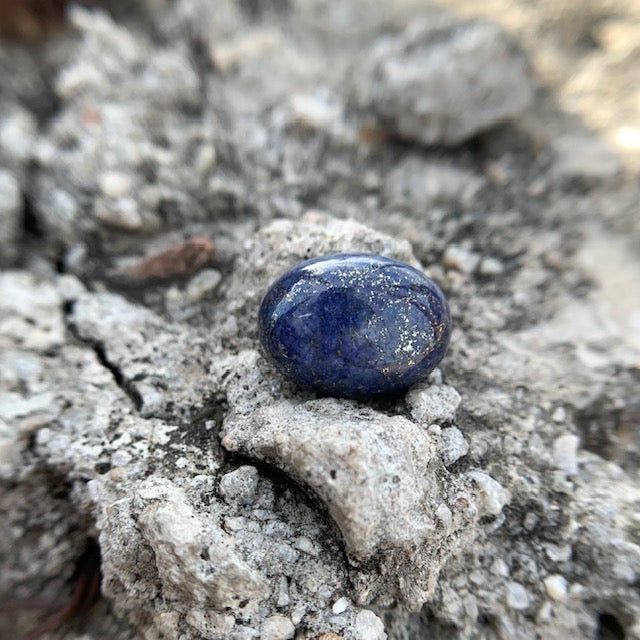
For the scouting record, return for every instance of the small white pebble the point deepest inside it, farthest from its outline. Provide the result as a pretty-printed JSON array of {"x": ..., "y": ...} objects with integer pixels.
[
  {"x": 340, "y": 605},
  {"x": 517, "y": 596},
  {"x": 122, "y": 213},
  {"x": 316, "y": 110},
  {"x": 202, "y": 284},
  {"x": 368, "y": 626},
  {"x": 558, "y": 553},
  {"x": 453, "y": 445},
  {"x": 556, "y": 587},
  {"x": 239, "y": 485},
  {"x": 433, "y": 403},
  {"x": 493, "y": 495},
  {"x": 565, "y": 449},
  {"x": 559, "y": 415},
  {"x": 477, "y": 578},
  {"x": 491, "y": 267},
  {"x": 456, "y": 257},
  {"x": 500, "y": 568},
  {"x": 297, "y": 614},
  {"x": 577, "y": 591},
  {"x": 544, "y": 614},
  {"x": 115, "y": 184},
  {"x": 443, "y": 513},
  {"x": 530, "y": 521},
  {"x": 18, "y": 130},
  {"x": 283, "y": 593},
  {"x": 234, "y": 523},
  {"x": 302, "y": 543},
  {"x": 277, "y": 628},
  {"x": 205, "y": 159}
]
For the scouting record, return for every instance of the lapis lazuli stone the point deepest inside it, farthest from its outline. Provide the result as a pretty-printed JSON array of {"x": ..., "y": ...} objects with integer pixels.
[{"x": 355, "y": 325}]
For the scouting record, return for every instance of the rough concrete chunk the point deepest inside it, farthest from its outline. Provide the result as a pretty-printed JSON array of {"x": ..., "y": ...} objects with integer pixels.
[
  {"x": 373, "y": 472},
  {"x": 452, "y": 445},
  {"x": 197, "y": 556},
  {"x": 443, "y": 81}
]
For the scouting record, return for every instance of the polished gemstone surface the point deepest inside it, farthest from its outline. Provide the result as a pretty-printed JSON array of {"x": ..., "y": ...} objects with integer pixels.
[{"x": 354, "y": 325}]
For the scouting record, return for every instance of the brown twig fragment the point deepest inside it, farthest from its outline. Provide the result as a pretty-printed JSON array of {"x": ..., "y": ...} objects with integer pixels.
[{"x": 180, "y": 260}]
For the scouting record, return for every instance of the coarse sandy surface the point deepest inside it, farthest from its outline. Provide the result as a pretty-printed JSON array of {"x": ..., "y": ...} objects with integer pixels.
[{"x": 161, "y": 163}]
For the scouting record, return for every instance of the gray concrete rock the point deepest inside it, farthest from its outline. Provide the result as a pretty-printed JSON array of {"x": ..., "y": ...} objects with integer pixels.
[
  {"x": 441, "y": 81},
  {"x": 431, "y": 183}
]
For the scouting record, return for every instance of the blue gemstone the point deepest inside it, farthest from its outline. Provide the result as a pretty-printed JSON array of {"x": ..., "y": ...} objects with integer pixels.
[{"x": 354, "y": 325}]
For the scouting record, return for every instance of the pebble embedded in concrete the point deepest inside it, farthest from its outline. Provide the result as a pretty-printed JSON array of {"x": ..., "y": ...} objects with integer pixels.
[
  {"x": 277, "y": 628},
  {"x": 302, "y": 543},
  {"x": 431, "y": 403},
  {"x": 490, "y": 266},
  {"x": 340, "y": 605},
  {"x": 202, "y": 284},
  {"x": 115, "y": 184},
  {"x": 556, "y": 587},
  {"x": 518, "y": 597},
  {"x": 368, "y": 626},
  {"x": 565, "y": 449},
  {"x": 456, "y": 257},
  {"x": 493, "y": 495},
  {"x": 453, "y": 446},
  {"x": 443, "y": 513},
  {"x": 239, "y": 485}
]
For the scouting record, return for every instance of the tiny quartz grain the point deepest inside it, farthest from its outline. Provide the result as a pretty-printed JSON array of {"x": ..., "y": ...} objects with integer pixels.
[{"x": 354, "y": 325}]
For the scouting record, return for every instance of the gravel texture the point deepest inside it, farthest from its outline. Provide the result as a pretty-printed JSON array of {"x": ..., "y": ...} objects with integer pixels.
[{"x": 160, "y": 166}]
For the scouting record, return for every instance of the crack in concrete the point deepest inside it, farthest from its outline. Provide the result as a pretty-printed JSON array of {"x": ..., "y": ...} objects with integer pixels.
[{"x": 101, "y": 355}]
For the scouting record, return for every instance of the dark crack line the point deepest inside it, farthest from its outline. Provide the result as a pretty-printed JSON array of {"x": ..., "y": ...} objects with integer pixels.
[
  {"x": 116, "y": 372},
  {"x": 101, "y": 354}
]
